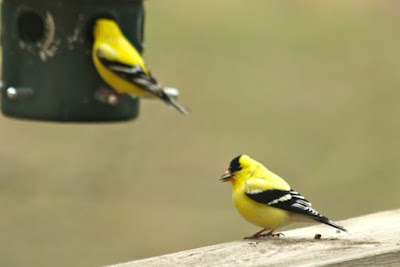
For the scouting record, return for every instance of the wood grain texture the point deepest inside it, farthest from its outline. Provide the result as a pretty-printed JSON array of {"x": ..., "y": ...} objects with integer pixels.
[{"x": 373, "y": 240}]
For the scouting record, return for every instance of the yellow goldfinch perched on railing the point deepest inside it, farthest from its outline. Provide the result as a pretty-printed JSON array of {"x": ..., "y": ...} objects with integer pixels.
[
  {"x": 266, "y": 200},
  {"x": 121, "y": 66}
]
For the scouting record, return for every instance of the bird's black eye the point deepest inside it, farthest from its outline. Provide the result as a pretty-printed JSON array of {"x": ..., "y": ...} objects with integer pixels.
[{"x": 235, "y": 165}]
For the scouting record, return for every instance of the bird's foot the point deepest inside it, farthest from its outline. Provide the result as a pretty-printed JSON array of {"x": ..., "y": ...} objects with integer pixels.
[
  {"x": 252, "y": 237},
  {"x": 256, "y": 235},
  {"x": 270, "y": 234},
  {"x": 260, "y": 234}
]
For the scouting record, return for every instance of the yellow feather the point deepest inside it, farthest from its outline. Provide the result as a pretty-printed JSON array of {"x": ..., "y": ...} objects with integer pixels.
[
  {"x": 113, "y": 45},
  {"x": 254, "y": 176},
  {"x": 259, "y": 214},
  {"x": 254, "y": 169}
]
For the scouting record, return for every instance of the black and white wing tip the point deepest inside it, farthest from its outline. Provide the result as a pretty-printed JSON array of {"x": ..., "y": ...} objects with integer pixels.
[
  {"x": 291, "y": 201},
  {"x": 304, "y": 207}
]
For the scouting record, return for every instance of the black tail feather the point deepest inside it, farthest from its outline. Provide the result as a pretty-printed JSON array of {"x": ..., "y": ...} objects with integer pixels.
[
  {"x": 325, "y": 220},
  {"x": 171, "y": 101}
]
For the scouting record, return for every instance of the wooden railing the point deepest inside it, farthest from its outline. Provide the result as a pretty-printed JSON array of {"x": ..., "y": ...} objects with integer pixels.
[{"x": 372, "y": 240}]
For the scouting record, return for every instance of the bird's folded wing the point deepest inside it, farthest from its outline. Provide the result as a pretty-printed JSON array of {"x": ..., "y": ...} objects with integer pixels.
[
  {"x": 260, "y": 191},
  {"x": 133, "y": 73}
]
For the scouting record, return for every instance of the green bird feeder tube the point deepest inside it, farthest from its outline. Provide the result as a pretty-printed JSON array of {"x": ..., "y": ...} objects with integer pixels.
[{"x": 47, "y": 69}]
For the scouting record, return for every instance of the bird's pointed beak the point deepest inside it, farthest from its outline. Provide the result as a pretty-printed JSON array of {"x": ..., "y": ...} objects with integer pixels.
[{"x": 226, "y": 177}]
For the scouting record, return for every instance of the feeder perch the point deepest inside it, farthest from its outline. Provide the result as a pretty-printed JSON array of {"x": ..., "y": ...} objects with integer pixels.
[{"x": 47, "y": 69}]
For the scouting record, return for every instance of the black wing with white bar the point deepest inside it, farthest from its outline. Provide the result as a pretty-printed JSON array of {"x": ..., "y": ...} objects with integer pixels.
[
  {"x": 134, "y": 74},
  {"x": 290, "y": 201}
]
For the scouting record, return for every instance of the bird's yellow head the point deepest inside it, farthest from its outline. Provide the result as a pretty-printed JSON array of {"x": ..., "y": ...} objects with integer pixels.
[
  {"x": 106, "y": 28},
  {"x": 240, "y": 169}
]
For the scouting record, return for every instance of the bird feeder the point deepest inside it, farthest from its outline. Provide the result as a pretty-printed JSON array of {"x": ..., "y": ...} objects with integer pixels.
[{"x": 47, "y": 69}]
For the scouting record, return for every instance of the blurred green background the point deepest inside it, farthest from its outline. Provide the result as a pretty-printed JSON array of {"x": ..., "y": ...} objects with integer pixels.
[{"x": 309, "y": 89}]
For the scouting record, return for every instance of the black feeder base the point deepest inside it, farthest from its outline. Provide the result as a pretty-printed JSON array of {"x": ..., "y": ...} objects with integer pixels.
[{"x": 47, "y": 69}]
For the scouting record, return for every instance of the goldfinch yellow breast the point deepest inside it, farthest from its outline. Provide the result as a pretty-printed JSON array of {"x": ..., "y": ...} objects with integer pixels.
[{"x": 265, "y": 199}]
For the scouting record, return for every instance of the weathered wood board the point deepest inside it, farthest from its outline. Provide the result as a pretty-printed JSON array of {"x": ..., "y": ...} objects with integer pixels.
[{"x": 373, "y": 240}]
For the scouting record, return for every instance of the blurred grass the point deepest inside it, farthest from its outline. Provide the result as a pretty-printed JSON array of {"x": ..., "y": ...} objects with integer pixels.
[{"x": 309, "y": 89}]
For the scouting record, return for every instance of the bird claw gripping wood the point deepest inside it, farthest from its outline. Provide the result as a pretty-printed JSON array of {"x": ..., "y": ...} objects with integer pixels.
[
  {"x": 273, "y": 235},
  {"x": 260, "y": 234}
]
